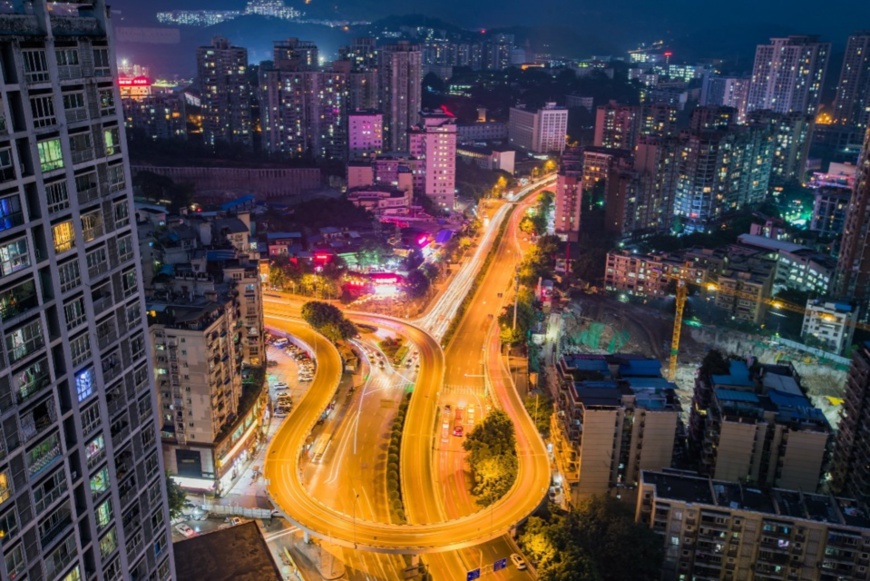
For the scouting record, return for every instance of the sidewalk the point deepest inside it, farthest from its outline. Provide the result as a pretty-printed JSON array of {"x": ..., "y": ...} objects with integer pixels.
[{"x": 249, "y": 488}]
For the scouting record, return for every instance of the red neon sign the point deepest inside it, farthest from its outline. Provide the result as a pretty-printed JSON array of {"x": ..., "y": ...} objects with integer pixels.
[{"x": 134, "y": 82}]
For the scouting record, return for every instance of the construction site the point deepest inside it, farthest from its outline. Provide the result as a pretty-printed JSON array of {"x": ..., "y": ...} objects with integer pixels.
[{"x": 600, "y": 324}]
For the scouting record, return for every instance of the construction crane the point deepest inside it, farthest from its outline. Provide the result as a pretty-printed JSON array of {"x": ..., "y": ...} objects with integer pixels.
[{"x": 682, "y": 295}]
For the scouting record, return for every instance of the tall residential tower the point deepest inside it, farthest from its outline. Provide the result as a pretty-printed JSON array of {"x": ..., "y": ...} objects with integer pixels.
[
  {"x": 225, "y": 92},
  {"x": 788, "y": 75},
  {"x": 400, "y": 84},
  {"x": 82, "y": 491}
]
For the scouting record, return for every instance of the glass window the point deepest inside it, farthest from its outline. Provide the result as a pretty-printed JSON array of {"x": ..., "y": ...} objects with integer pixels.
[
  {"x": 90, "y": 419},
  {"x": 125, "y": 248},
  {"x": 42, "y": 107},
  {"x": 116, "y": 178},
  {"x": 92, "y": 225},
  {"x": 7, "y": 169},
  {"x": 107, "y": 101},
  {"x": 108, "y": 543},
  {"x": 112, "y": 140},
  {"x": 5, "y": 490},
  {"x": 67, "y": 56},
  {"x": 50, "y": 155},
  {"x": 69, "y": 275},
  {"x": 10, "y": 212},
  {"x": 85, "y": 385},
  {"x": 24, "y": 340},
  {"x": 80, "y": 348},
  {"x": 57, "y": 196},
  {"x": 100, "y": 482},
  {"x": 15, "y": 563},
  {"x": 14, "y": 256},
  {"x": 63, "y": 234},
  {"x": 128, "y": 282},
  {"x": 102, "y": 68},
  {"x": 121, "y": 211},
  {"x": 104, "y": 514},
  {"x": 74, "y": 313}
]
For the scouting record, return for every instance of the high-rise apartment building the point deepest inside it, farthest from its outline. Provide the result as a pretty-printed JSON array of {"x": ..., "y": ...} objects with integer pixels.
[
  {"x": 727, "y": 92},
  {"x": 721, "y": 170},
  {"x": 852, "y": 102},
  {"x": 850, "y": 466},
  {"x": 293, "y": 54},
  {"x": 399, "y": 84},
  {"x": 206, "y": 325},
  {"x": 615, "y": 416},
  {"x": 853, "y": 263},
  {"x": 791, "y": 134},
  {"x": 617, "y": 126},
  {"x": 82, "y": 489},
  {"x": 754, "y": 423},
  {"x": 365, "y": 134},
  {"x": 788, "y": 75},
  {"x": 716, "y": 529},
  {"x": 568, "y": 201},
  {"x": 541, "y": 131},
  {"x": 156, "y": 116},
  {"x": 225, "y": 92},
  {"x": 433, "y": 142},
  {"x": 302, "y": 110}
]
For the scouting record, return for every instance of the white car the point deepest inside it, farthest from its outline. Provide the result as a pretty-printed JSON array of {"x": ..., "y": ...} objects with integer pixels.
[
  {"x": 518, "y": 561},
  {"x": 185, "y": 530},
  {"x": 281, "y": 386}
]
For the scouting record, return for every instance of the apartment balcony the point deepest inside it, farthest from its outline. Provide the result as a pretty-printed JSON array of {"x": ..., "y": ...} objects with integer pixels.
[
  {"x": 43, "y": 456},
  {"x": 83, "y": 155},
  {"x": 33, "y": 423}
]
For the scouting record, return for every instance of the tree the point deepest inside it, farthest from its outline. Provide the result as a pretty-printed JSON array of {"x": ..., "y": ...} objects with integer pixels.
[
  {"x": 177, "y": 497},
  {"x": 493, "y": 457},
  {"x": 589, "y": 543},
  {"x": 328, "y": 320},
  {"x": 417, "y": 284}
]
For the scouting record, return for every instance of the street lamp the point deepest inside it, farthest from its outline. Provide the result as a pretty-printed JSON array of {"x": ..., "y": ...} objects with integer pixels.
[{"x": 355, "y": 499}]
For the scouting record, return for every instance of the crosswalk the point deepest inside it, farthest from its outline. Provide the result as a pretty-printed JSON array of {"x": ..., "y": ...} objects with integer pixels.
[{"x": 477, "y": 390}]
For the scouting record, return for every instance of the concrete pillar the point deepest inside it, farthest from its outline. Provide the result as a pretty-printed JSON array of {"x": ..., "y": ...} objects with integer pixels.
[{"x": 306, "y": 537}]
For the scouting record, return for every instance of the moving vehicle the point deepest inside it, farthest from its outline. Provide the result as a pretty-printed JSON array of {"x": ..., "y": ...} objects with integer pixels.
[
  {"x": 518, "y": 561},
  {"x": 280, "y": 342},
  {"x": 185, "y": 530}
]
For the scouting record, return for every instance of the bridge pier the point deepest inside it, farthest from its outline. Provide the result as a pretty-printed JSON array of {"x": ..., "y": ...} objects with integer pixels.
[{"x": 306, "y": 537}]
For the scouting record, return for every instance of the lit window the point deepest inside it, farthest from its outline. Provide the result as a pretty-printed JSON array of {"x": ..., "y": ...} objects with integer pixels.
[
  {"x": 64, "y": 236},
  {"x": 50, "y": 155},
  {"x": 85, "y": 385}
]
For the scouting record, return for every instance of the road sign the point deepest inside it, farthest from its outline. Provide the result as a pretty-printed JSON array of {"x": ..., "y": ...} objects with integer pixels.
[
  {"x": 499, "y": 565},
  {"x": 473, "y": 574}
]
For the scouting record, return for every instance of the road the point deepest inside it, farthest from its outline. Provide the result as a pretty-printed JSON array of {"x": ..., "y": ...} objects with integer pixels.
[
  {"x": 424, "y": 504},
  {"x": 474, "y": 355}
]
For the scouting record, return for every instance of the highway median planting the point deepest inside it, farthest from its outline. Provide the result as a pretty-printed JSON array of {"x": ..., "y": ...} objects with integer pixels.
[
  {"x": 492, "y": 449},
  {"x": 394, "y": 488}
]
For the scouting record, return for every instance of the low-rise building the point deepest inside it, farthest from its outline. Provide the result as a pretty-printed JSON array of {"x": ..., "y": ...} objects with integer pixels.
[
  {"x": 754, "y": 423},
  {"x": 716, "y": 529},
  {"x": 615, "y": 416},
  {"x": 649, "y": 275},
  {"x": 380, "y": 199},
  {"x": 482, "y": 131},
  {"x": 832, "y": 323},
  {"x": 744, "y": 289},
  {"x": 797, "y": 267},
  {"x": 491, "y": 158}
]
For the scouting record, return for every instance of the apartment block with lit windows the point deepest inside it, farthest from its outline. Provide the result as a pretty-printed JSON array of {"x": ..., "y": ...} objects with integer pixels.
[
  {"x": 82, "y": 492},
  {"x": 433, "y": 142},
  {"x": 649, "y": 275},
  {"x": 721, "y": 530},
  {"x": 206, "y": 327}
]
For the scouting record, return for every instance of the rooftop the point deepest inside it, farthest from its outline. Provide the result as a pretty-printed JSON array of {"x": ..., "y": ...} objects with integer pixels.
[
  {"x": 768, "y": 243},
  {"x": 691, "y": 488},
  {"x": 239, "y": 553}
]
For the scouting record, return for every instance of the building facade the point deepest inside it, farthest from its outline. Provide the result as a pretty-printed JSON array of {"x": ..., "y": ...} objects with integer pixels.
[
  {"x": 568, "y": 202},
  {"x": 853, "y": 262},
  {"x": 617, "y": 126},
  {"x": 715, "y": 529},
  {"x": 754, "y": 423},
  {"x": 225, "y": 92},
  {"x": 365, "y": 134},
  {"x": 541, "y": 131},
  {"x": 433, "y": 142},
  {"x": 788, "y": 75},
  {"x": 82, "y": 488},
  {"x": 852, "y": 101},
  {"x": 400, "y": 85},
  {"x": 615, "y": 416},
  {"x": 831, "y": 323},
  {"x": 850, "y": 466}
]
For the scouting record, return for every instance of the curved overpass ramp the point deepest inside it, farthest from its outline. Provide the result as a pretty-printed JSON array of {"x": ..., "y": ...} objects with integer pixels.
[{"x": 301, "y": 507}]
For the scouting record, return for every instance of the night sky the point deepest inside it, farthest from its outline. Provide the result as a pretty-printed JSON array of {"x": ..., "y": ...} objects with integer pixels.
[{"x": 834, "y": 19}]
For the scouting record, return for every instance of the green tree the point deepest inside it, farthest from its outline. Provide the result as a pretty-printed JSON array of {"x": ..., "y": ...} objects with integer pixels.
[
  {"x": 493, "y": 457},
  {"x": 328, "y": 320},
  {"x": 177, "y": 497}
]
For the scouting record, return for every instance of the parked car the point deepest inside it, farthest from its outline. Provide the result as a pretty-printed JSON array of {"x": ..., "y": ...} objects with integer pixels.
[
  {"x": 518, "y": 561},
  {"x": 233, "y": 521},
  {"x": 185, "y": 530},
  {"x": 458, "y": 431},
  {"x": 281, "y": 386}
]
